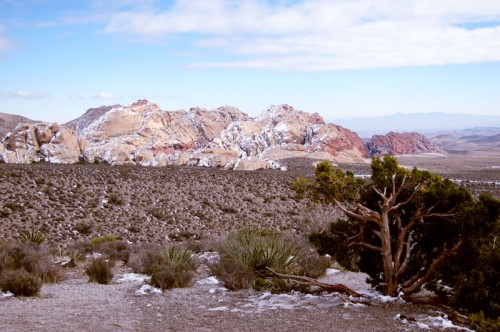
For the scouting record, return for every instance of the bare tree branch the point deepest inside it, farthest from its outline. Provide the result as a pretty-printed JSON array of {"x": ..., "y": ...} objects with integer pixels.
[
  {"x": 366, "y": 245},
  {"x": 313, "y": 282},
  {"x": 410, "y": 289}
]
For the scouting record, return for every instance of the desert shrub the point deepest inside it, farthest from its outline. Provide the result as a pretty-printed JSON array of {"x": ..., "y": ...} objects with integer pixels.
[
  {"x": 156, "y": 212},
  {"x": 20, "y": 282},
  {"x": 32, "y": 258},
  {"x": 169, "y": 266},
  {"x": 14, "y": 206},
  {"x": 33, "y": 236},
  {"x": 247, "y": 256},
  {"x": 115, "y": 199},
  {"x": 172, "y": 275},
  {"x": 102, "y": 239},
  {"x": 99, "y": 271},
  {"x": 83, "y": 228},
  {"x": 114, "y": 250}
]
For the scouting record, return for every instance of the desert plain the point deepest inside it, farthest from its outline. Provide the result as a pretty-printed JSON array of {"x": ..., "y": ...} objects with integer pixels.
[{"x": 194, "y": 205}]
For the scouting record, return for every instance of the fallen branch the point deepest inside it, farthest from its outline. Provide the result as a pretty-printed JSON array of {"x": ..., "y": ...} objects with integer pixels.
[
  {"x": 339, "y": 288},
  {"x": 453, "y": 315}
]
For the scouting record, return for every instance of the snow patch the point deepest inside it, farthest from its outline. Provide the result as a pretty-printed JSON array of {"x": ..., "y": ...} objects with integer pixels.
[
  {"x": 208, "y": 281},
  {"x": 219, "y": 309},
  {"x": 133, "y": 277},
  {"x": 332, "y": 271},
  {"x": 146, "y": 290},
  {"x": 5, "y": 295}
]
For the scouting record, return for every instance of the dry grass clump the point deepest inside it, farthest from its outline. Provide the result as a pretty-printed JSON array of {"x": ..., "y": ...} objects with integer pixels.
[
  {"x": 169, "y": 266},
  {"x": 99, "y": 271},
  {"x": 247, "y": 256}
]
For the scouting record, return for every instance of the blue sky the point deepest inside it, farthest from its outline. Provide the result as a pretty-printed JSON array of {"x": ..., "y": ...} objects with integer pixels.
[{"x": 341, "y": 58}]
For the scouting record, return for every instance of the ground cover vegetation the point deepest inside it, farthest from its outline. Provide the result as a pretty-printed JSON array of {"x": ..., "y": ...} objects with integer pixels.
[{"x": 410, "y": 229}]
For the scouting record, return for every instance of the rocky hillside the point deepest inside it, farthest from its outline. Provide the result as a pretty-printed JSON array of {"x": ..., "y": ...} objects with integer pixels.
[
  {"x": 400, "y": 144},
  {"x": 9, "y": 121},
  {"x": 143, "y": 134}
]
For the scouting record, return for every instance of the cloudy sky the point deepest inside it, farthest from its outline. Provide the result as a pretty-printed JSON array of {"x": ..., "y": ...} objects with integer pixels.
[{"x": 341, "y": 58}]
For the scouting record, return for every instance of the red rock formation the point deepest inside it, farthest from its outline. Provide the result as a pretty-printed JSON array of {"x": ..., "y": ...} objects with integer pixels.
[{"x": 401, "y": 143}]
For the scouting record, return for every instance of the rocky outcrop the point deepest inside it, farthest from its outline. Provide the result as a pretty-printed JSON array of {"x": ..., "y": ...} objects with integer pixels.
[
  {"x": 225, "y": 137},
  {"x": 401, "y": 143},
  {"x": 29, "y": 143},
  {"x": 88, "y": 117},
  {"x": 9, "y": 121}
]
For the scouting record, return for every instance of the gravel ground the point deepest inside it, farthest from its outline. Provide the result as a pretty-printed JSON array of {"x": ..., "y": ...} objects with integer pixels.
[{"x": 77, "y": 305}]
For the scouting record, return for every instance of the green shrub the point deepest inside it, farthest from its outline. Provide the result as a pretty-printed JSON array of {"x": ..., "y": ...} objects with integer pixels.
[
  {"x": 481, "y": 324},
  {"x": 246, "y": 256},
  {"x": 99, "y": 271},
  {"x": 102, "y": 239},
  {"x": 169, "y": 266},
  {"x": 20, "y": 282}
]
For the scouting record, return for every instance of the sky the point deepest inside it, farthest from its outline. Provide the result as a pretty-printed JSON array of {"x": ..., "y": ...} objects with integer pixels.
[{"x": 342, "y": 58}]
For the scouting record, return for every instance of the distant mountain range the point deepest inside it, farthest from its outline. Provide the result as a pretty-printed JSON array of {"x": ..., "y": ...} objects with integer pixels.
[
  {"x": 142, "y": 133},
  {"x": 429, "y": 124}
]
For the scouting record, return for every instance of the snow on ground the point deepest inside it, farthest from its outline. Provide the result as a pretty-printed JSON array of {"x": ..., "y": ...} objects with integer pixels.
[
  {"x": 208, "y": 281},
  {"x": 146, "y": 290},
  {"x": 133, "y": 277},
  {"x": 5, "y": 295},
  {"x": 427, "y": 322}
]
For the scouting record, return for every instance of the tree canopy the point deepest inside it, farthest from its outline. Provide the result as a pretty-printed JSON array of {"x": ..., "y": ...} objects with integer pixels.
[{"x": 406, "y": 228}]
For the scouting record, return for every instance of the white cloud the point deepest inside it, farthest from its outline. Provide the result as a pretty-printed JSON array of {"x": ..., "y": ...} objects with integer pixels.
[
  {"x": 105, "y": 95},
  {"x": 23, "y": 94},
  {"x": 324, "y": 34}
]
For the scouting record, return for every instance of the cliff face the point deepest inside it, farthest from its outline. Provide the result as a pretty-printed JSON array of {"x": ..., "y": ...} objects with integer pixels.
[
  {"x": 143, "y": 134},
  {"x": 401, "y": 143}
]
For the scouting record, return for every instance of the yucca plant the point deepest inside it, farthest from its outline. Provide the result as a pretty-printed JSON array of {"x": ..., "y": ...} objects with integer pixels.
[
  {"x": 169, "y": 266},
  {"x": 33, "y": 236},
  {"x": 245, "y": 258}
]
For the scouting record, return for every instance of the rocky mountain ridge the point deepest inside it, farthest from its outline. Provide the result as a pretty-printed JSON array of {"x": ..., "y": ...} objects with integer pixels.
[
  {"x": 401, "y": 144},
  {"x": 144, "y": 134}
]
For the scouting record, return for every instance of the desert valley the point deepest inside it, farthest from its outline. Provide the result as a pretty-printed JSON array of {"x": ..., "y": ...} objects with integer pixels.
[{"x": 141, "y": 176}]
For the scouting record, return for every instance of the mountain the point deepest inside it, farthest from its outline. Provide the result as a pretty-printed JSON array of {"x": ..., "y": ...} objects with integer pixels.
[
  {"x": 90, "y": 116},
  {"x": 401, "y": 144},
  {"x": 473, "y": 139},
  {"x": 143, "y": 134},
  {"x": 9, "y": 121},
  {"x": 424, "y": 123}
]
